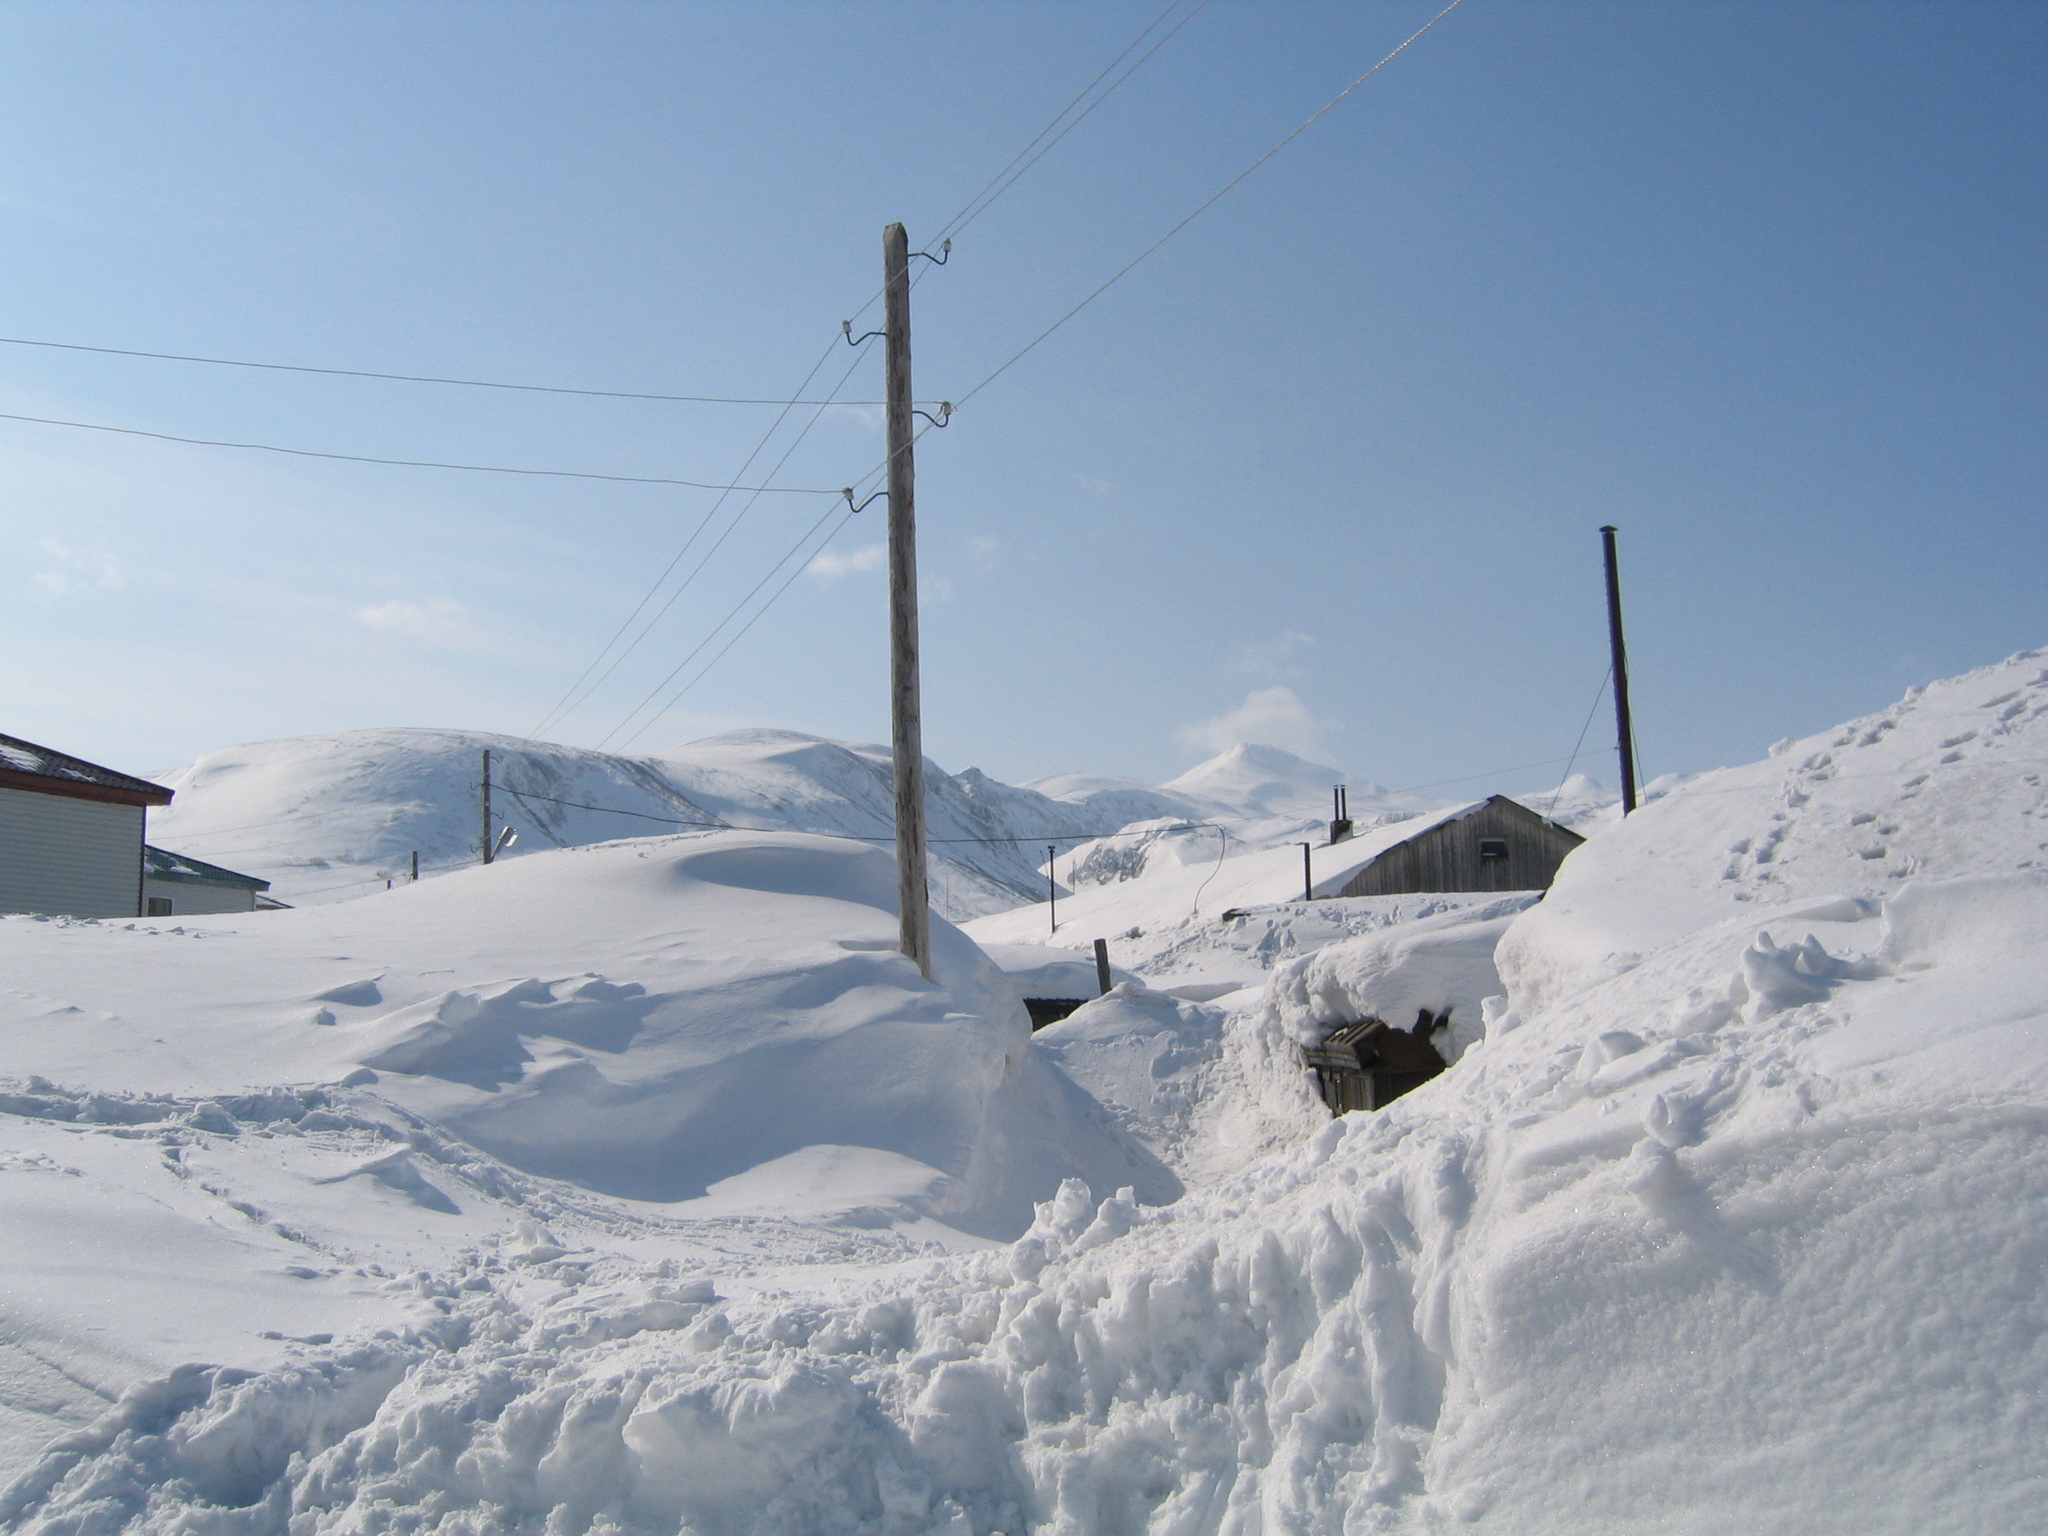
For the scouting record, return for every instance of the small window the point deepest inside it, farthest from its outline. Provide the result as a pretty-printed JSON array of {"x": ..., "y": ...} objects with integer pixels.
[
  {"x": 1491, "y": 848},
  {"x": 159, "y": 906}
]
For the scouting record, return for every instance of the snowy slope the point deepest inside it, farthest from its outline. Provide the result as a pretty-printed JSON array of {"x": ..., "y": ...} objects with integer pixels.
[
  {"x": 1730, "y": 1222},
  {"x": 274, "y": 1108},
  {"x": 329, "y": 818}
]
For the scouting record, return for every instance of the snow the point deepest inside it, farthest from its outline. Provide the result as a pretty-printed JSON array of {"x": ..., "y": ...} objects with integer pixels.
[
  {"x": 1728, "y": 1217},
  {"x": 334, "y": 817},
  {"x": 1040, "y": 970},
  {"x": 1207, "y": 929},
  {"x": 717, "y": 1023}
]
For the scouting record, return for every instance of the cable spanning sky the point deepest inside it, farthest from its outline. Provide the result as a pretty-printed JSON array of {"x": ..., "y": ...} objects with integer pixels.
[{"x": 1761, "y": 284}]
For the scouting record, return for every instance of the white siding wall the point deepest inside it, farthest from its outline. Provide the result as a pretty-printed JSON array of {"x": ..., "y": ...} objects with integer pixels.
[
  {"x": 80, "y": 858},
  {"x": 189, "y": 898}
]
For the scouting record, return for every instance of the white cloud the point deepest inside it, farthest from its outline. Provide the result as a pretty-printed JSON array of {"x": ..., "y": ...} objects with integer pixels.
[
  {"x": 1269, "y": 717},
  {"x": 441, "y": 623},
  {"x": 1093, "y": 486},
  {"x": 869, "y": 418},
  {"x": 831, "y": 564},
  {"x": 79, "y": 570},
  {"x": 1269, "y": 658}
]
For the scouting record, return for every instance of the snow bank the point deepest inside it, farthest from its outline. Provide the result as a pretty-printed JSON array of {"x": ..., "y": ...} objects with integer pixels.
[
  {"x": 1442, "y": 964},
  {"x": 1040, "y": 970},
  {"x": 1944, "y": 784}
]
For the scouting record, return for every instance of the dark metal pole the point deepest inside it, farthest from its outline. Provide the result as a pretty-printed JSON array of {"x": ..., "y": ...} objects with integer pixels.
[
  {"x": 1052, "y": 889},
  {"x": 415, "y": 866},
  {"x": 1308, "y": 875},
  {"x": 487, "y": 805},
  {"x": 1623, "y": 730},
  {"x": 1102, "y": 966},
  {"x": 906, "y": 740}
]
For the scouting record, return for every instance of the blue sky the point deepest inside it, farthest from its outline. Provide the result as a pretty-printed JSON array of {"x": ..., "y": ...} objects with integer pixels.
[{"x": 1759, "y": 283}]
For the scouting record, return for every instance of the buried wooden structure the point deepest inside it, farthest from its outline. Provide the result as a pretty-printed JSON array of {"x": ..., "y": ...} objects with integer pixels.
[
  {"x": 1370, "y": 1063},
  {"x": 1050, "y": 1010}
]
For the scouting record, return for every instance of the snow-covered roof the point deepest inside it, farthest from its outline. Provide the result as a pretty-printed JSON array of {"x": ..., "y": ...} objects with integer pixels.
[
  {"x": 25, "y": 757},
  {"x": 161, "y": 864}
]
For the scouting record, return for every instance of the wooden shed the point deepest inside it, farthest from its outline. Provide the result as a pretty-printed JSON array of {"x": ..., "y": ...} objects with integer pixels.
[
  {"x": 1494, "y": 844},
  {"x": 1369, "y": 1064}
]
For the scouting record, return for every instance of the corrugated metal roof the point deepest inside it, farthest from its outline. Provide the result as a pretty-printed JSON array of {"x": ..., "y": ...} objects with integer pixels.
[
  {"x": 163, "y": 865},
  {"x": 27, "y": 757}
]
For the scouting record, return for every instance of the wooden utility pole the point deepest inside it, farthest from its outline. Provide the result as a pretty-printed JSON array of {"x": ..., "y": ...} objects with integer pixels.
[
  {"x": 488, "y": 850},
  {"x": 1622, "y": 729},
  {"x": 1102, "y": 966},
  {"x": 1308, "y": 875},
  {"x": 1052, "y": 888},
  {"x": 906, "y": 738}
]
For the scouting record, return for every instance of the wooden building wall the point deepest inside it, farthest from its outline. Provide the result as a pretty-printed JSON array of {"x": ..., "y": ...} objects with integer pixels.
[{"x": 1447, "y": 857}]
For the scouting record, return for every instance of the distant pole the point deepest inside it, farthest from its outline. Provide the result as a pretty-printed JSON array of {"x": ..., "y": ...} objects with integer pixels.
[
  {"x": 415, "y": 866},
  {"x": 906, "y": 741},
  {"x": 1102, "y": 966},
  {"x": 1622, "y": 728},
  {"x": 1052, "y": 889},
  {"x": 487, "y": 805},
  {"x": 1308, "y": 875}
]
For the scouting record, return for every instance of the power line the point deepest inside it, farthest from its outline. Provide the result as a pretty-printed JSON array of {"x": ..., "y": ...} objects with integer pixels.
[
  {"x": 676, "y": 821},
  {"x": 712, "y": 634},
  {"x": 363, "y": 458},
  {"x": 1205, "y": 205},
  {"x": 661, "y": 612},
  {"x": 1598, "y": 694},
  {"x": 1003, "y": 180},
  {"x": 563, "y": 704},
  {"x": 969, "y": 212},
  {"x": 801, "y": 567},
  {"x": 866, "y": 480},
  {"x": 417, "y": 378}
]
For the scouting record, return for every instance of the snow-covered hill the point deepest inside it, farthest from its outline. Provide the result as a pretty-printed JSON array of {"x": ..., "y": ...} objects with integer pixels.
[{"x": 329, "y": 818}]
